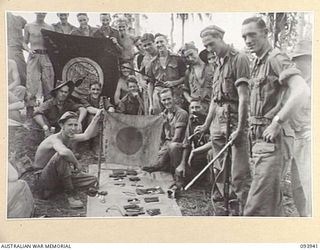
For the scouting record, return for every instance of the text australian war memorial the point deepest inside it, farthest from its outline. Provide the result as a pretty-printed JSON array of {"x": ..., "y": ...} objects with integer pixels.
[{"x": 115, "y": 114}]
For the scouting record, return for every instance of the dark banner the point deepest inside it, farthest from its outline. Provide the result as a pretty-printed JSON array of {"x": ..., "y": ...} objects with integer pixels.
[{"x": 88, "y": 58}]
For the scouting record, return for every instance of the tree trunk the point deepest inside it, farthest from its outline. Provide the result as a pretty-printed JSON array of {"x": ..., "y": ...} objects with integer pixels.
[
  {"x": 182, "y": 27},
  {"x": 275, "y": 32},
  {"x": 171, "y": 31},
  {"x": 300, "y": 26},
  {"x": 137, "y": 26}
]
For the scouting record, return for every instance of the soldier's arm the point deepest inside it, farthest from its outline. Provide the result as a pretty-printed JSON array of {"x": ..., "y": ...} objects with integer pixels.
[
  {"x": 26, "y": 39},
  {"x": 289, "y": 76},
  {"x": 116, "y": 42},
  {"x": 91, "y": 130},
  {"x": 211, "y": 115},
  {"x": 117, "y": 93},
  {"x": 15, "y": 74},
  {"x": 40, "y": 114},
  {"x": 243, "y": 93},
  {"x": 180, "y": 127},
  {"x": 299, "y": 92},
  {"x": 202, "y": 149},
  {"x": 92, "y": 110},
  {"x": 242, "y": 69},
  {"x": 186, "y": 87},
  {"x": 82, "y": 114},
  {"x": 150, "y": 83},
  {"x": 65, "y": 152},
  {"x": 176, "y": 82},
  {"x": 178, "y": 134}
]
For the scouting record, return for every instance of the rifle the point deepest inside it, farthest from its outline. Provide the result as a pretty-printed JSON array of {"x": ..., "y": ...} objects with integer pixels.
[
  {"x": 144, "y": 74},
  {"x": 209, "y": 164}
]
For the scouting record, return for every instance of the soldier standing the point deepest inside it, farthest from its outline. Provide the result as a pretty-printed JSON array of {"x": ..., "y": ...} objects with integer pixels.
[
  {"x": 272, "y": 138},
  {"x": 40, "y": 74},
  {"x": 230, "y": 98}
]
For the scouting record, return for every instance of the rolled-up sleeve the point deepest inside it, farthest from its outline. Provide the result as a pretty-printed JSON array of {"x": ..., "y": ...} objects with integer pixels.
[
  {"x": 181, "y": 119},
  {"x": 242, "y": 69},
  {"x": 283, "y": 67}
]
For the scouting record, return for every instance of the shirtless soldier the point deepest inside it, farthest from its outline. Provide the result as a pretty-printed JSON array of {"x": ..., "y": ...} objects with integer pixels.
[
  {"x": 40, "y": 74},
  {"x": 60, "y": 167}
]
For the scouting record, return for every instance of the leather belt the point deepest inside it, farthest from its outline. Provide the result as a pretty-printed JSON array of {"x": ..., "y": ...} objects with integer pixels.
[{"x": 259, "y": 120}]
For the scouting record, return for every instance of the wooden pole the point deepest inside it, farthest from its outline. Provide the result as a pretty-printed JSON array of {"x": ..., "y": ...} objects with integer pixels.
[{"x": 101, "y": 104}]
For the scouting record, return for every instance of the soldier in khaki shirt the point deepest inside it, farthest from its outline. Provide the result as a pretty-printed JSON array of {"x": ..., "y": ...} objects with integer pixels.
[
  {"x": 271, "y": 136},
  {"x": 230, "y": 94}
]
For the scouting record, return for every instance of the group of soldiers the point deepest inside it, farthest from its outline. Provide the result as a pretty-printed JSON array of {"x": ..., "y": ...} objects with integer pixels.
[{"x": 206, "y": 99}]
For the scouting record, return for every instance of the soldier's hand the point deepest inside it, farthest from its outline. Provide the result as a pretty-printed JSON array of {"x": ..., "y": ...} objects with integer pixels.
[
  {"x": 99, "y": 113},
  {"x": 168, "y": 84},
  {"x": 77, "y": 167},
  {"x": 111, "y": 110},
  {"x": 114, "y": 40},
  {"x": 201, "y": 129},
  {"x": 271, "y": 132},
  {"x": 181, "y": 170},
  {"x": 32, "y": 53}
]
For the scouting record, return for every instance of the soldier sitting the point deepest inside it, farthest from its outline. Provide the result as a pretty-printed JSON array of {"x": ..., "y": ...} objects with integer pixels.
[
  {"x": 60, "y": 167},
  {"x": 196, "y": 146},
  {"x": 51, "y": 110},
  {"x": 174, "y": 129}
]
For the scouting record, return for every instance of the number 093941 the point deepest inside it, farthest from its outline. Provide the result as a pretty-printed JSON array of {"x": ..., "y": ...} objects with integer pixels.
[{"x": 308, "y": 246}]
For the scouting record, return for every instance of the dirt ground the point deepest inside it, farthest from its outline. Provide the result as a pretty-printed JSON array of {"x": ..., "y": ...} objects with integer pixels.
[{"x": 193, "y": 202}]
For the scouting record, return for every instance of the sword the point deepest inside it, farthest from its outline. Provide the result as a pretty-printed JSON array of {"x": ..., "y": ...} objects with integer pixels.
[{"x": 209, "y": 164}]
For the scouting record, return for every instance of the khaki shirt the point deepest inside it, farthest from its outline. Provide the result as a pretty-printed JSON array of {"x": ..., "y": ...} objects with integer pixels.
[
  {"x": 268, "y": 85},
  {"x": 233, "y": 69},
  {"x": 177, "y": 120},
  {"x": 174, "y": 69},
  {"x": 199, "y": 87}
]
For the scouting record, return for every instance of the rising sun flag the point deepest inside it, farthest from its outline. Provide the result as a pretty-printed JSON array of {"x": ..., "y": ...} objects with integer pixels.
[{"x": 132, "y": 140}]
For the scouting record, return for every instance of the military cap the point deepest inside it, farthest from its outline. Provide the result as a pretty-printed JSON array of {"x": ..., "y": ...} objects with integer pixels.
[
  {"x": 67, "y": 115},
  {"x": 147, "y": 37},
  {"x": 213, "y": 30},
  {"x": 188, "y": 46}
]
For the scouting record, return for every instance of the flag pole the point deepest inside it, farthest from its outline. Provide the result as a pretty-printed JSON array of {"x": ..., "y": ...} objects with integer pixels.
[{"x": 101, "y": 105}]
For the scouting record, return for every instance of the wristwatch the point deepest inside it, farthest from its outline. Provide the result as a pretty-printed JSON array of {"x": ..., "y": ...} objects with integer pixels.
[{"x": 277, "y": 120}]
